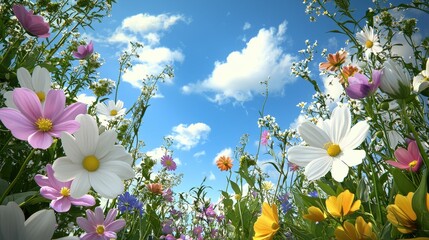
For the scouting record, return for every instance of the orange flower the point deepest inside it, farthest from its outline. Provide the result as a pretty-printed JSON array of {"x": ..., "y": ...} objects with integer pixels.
[
  {"x": 346, "y": 72},
  {"x": 224, "y": 163},
  {"x": 334, "y": 61},
  {"x": 342, "y": 205},
  {"x": 155, "y": 188}
]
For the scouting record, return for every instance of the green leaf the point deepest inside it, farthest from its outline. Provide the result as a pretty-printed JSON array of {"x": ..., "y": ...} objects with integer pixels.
[
  {"x": 326, "y": 188},
  {"x": 19, "y": 197},
  {"x": 235, "y": 187},
  {"x": 419, "y": 203},
  {"x": 402, "y": 182},
  {"x": 3, "y": 185}
]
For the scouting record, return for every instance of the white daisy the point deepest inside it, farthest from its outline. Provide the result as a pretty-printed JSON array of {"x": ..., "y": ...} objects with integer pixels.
[
  {"x": 93, "y": 160},
  {"x": 369, "y": 40},
  {"x": 39, "y": 82},
  {"x": 331, "y": 146},
  {"x": 421, "y": 81},
  {"x": 111, "y": 110}
]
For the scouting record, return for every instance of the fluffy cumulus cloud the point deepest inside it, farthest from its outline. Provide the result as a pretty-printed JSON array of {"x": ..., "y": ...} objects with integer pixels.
[
  {"x": 225, "y": 152},
  {"x": 188, "y": 136},
  {"x": 153, "y": 57},
  {"x": 239, "y": 77}
]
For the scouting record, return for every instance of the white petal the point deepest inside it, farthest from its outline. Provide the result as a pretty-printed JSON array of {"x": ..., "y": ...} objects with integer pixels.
[
  {"x": 106, "y": 184},
  {"x": 303, "y": 155},
  {"x": 87, "y": 135},
  {"x": 71, "y": 148},
  {"x": 122, "y": 169},
  {"x": 11, "y": 222},
  {"x": 119, "y": 104},
  {"x": 339, "y": 170},
  {"x": 24, "y": 78},
  {"x": 41, "y": 79},
  {"x": 339, "y": 123},
  {"x": 352, "y": 157},
  {"x": 41, "y": 225},
  {"x": 80, "y": 185},
  {"x": 313, "y": 135},
  {"x": 105, "y": 143},
  {"x": 318, "y": 168},
  {"x": 66, "y": 170},
  {"x": 102, "y": 109},
  {"x": 118, "y": 153},
  {"x": 355, "y": 137}
]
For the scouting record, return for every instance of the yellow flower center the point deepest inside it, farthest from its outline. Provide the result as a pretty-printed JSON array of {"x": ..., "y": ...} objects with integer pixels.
[
  {"x": 274, "y": 226},
  {"x": 412, "y": 164},
  {"x": 65, "y": 191},
  {"x": 100, "y": 229},
  {"x": 369, "y": 44},
  {"x": 41, "y": 96},
  {"x": 333, "y": 150},
  {"x": 113, "y": 112},
  {"x": 91, "y": 163},
  {"x": 44, "y": 124}
]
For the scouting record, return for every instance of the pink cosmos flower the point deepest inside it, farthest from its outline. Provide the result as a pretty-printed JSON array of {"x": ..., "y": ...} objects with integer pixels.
[
  {"x": 59, "y": 192},
  {"x": 98, "y": 228},
  {"x": 168, "y": 162},
  {"x": 84, "y": 51},
  {"x": 407, "y": 158},
  {"x": 265, "y": 137},
  {"x": 33, "y": 24},
  {"x": 37, "y": 123},
  {"x": 360, "y": 87}
]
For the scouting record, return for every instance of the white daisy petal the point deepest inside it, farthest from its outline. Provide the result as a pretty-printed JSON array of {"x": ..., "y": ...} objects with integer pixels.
[
  {"x": 303, "y": 155},
  {"x": 87, "y": 135},
  {"x": 313, "y": 135},
  {"x": 107, "y": 184},
  {"x": 105, "y": 142},
  {"x": 41, "y": 79},
  {"x": 65, "y": 169},
  {"x": 118, "y": 153},
  {"x": 353, "y": 157},
  {"x": 24, "y": 78},
  {"x": 318, "y": 168},
  {"x": 339, "y": 124},
  {"x": 80, "y": 185},
  {"x": 339, "y": 170},
  {"x": 356, "y": 136},
  {"x": 122, "y": 169},
  {"x": 71, "y": 148}
]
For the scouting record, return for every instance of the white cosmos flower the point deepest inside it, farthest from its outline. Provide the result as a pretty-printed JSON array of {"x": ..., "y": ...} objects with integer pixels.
[
  {"x": 369, "y": 40},
  {"x": 421, "y": 81},
  {"x": 111, "y": 110},
  {"x": 331, "y": 146},
  {"x": 39, "y": 82},
  {"x": 93, "y": 160},
  {"x": 395, "y": 80}
]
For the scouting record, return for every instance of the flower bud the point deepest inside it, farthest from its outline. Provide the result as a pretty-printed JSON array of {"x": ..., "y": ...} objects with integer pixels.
[{"x": 395, "y": 80}]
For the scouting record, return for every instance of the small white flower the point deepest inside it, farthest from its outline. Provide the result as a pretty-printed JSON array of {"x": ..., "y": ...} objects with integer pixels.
[
  {"x": 111, "y": 110},
  {"x": 331, "y": 146},
  {"x": 369, "y": 40},
  {"x": 421, "y": 81},
  {"x": 93, "y": 160},
  {"x": 395, "y": 80}
]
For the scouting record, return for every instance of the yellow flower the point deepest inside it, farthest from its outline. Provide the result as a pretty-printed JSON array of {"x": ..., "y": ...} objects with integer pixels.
[
  {"x": 401, "y": 214},
  {"x": 315, "y": 214},
  {"x": 267, "y": 224},
  {"x": 342, "y": 205},
  {"x": 267, "y": 185},
  {"x": 360, "y": 231}
]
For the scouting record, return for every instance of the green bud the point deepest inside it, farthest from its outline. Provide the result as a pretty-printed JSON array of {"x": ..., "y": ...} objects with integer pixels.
[
  {"x": 379, "y": 134},
  {"x": 383, "y": 106}
]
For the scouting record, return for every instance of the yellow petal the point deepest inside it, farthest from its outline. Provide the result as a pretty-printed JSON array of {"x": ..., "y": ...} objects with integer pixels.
[
  {"x": 351, "y": 231},
  {"x": 405, "y": 204},
  {"x": 347, "y": 199},
  {"x": 333, "y": 207},
  {"x": 355, "y": 207},
  {"x": 315, "y": 214},
  {"x": 340, "y": 234}
]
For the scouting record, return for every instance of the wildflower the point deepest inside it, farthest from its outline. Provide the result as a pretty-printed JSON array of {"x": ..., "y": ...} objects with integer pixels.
[
  {"x": 359, "y": 85},
  {"x": 342, "y": 205},
  {"x": 155, "y": 188},
  {"x": 421, "y": 81},
  {"x": 97, "y": 227},
  {"x": 168, "y": 162},
  {"x": 331, "y": 146},
  {"x": 167, "y": 195},
  {"x": 224, "y": 163},
  {"x": 285, "y": 203},
  {"x": 334, "y": 61},
  {"x": 39, "y": 82},
  {"x": 267, "y": 224},
  {"x": 293, "y": 167},
  {"x": 166, "y": 226},
  {"x": 396, "y": 80},
  {"x": 265, "y": 137},
  {"x": 401, "y": 214},
  {"x": 361, "y": 230},
  {"x": 267, "y": 185},
  {"x": 84, "y": 51},
  {"x": 33, "y": 24},
  {"x": 408, "y": 158},
  {"x": 313, "y": 194},
  {"x": 129, "y": 203},
  {"x": 369, "y": 40},
  {"x": 209, "y": 211},
  {"x": 198, "y": 230},
  {"x": 59, "y": 192},
  {"x": 346, "y": 72},
  {"x": 93, "y": 160},
  {"x": 315, "y": 214},
  {"x": 38, "y": 123},
  {"x": 111, "y": 110}
]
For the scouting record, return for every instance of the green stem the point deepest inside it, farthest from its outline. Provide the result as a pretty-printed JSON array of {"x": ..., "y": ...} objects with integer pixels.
[
  {"x": 376, "y": 182},
  {"x": 21, "y": 171}
]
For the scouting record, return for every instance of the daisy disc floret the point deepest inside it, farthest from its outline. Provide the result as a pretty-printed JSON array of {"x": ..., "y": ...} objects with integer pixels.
[
  {"x": 93, "y": 160},
  {"x": 331, "y": 146}
]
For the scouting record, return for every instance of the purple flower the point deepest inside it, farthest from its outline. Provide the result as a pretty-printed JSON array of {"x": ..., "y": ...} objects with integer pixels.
[
  {"x": 38, "y": 123},
  {"x": 314, "y": 194},
  {"x": 84, "y": 51},
  {"x": 360, "y": 87},
  {"x": 265, "y": 137},
  {"x": 129, "y": 203},
  {"x": 285, "y": 203},
  {"x": 98, "y": 228},
  {"x": 59, "y": 192},
  {"x": 168, "y": 162},
  {"x": 210, "y": 211},
  {"x": 166, "y": 226},
  {"x": 198, "y": 230},
  {"x": 33, "y": 24},
  {"x": 168, "y": 195}
]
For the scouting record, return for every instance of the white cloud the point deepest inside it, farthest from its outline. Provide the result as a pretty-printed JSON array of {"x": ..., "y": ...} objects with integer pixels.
[
  {"x": 156, "y": 153},
  {"x": 212, "y": 177},
  {"x": 238, "y": 77},
  {"x": 300, "y": 119},
  {"x": 199, "y": 154},
  {"x": 247, "y": 26},
  {"x": 145, "y": 23},
  {"x": 187, "y": 137},
  {"x": 227, "y": 152},
  {"x": 332, "y": 87},
  {"x": 87, "y": 99}
]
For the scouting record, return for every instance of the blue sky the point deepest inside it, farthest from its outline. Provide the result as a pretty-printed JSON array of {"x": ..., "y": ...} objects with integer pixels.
[{"x": 220, "y": 51}]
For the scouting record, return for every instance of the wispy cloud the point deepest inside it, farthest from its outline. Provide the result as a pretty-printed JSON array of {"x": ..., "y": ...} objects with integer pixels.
[
  {"x": 238, "y": 77},
  {"x": 225, "y": 152},
  {"x": 199, "y": 154},
  {"x": 187, "y": 137},
  {"x": 246, "y": 26},
  {"x": 211, "y": 177}
]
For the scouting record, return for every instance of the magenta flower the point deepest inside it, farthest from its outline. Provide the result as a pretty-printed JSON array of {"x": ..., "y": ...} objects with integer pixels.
[
  {"x": 37, "y": 123},
  {"x": 33, "y": 24},
  {"x": 98, "y": 228},
  {"x": 59, "y": 192},
  {"x": 360, "y": 87},
  {"x": 84, "y": 51},
  {"x": 168, "y": 162},
  {"x": 407, "y": 158},
  {"x": 265, "y": 137}
]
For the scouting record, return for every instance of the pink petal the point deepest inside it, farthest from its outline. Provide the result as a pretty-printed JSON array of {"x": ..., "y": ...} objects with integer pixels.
[
  {"x": 67, "y": 126},
  {"x": 42, "y": 181},
  {"x": 85, "y": 225},
  {"x": 111, "y": 216},
  {"x": 403, "y": 156},
  {"x": 86, "y": 200},
  {"x": 398, "y": 165},
  {"x": 38, "y": 27},
  {"x": 42, "y": 140},
  {"x": 50, "y": 193},
  {"x": 413, "y": 149},
  {"x": 17, "y": 123},
  {"x": 92, "y": 236},
  {"x": 109, "y": 235},
  {"x": 116, "y": 226},
  {"x": 54, "y": 104},
  {"x": 27, "y": 103},
  {"x": 91, "y": 217},
  {"x": 61, "y": 205},
  {"x": 90, "y": 47},
  {"x": 54, "y": 182},
  {"x": 71, "y": 112},
  {"x": 99, "y": 216},
  {"x": 20, "y": 13}
]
